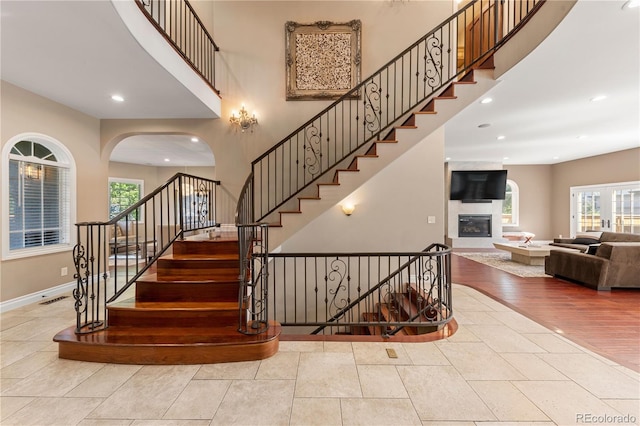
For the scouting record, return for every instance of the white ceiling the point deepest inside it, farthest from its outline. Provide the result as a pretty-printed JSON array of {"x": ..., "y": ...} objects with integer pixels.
[
  {"x": 80, "y": 53},
  {"x": 154, "y": 150},
  {"x": 542, "y": 106}
]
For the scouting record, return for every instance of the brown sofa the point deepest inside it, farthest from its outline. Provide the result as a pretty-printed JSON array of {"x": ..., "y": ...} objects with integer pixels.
[
  {"x": 585, "y": 239},
  {"x": 614, "y": 265}
]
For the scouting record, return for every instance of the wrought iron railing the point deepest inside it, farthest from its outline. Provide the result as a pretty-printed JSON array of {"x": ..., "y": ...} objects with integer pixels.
[
  {"x": 347, "y": 126},
  {"x": 364, "y": 113},
  {"x": 350, "y": 293},
  {"x": 110, "y": 256},
  {"x": 181, "y": 27}
]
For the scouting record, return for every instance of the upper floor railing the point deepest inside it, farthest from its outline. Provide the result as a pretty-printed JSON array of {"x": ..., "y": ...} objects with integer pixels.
[
  {"x": 181, "y": 27},
  {"x": 110, "y": 256}
]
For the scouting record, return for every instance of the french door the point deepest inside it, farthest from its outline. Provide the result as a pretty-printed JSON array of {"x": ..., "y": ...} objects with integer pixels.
[{"x": 611, "y": 207}]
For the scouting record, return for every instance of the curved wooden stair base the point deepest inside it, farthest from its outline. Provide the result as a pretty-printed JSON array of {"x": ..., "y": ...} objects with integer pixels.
[
  {"x": 185, "y": 313},
  {"x": 139, "y": 345}
]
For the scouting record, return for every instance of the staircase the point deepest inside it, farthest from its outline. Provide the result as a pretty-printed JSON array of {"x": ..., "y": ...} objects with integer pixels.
[
  {"x": 345, "y": 180},
  {"x": 186, "y": 312},
  {"x": 411, "y": 306}
]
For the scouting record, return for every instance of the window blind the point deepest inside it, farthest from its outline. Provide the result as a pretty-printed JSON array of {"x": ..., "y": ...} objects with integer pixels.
[{"x": 38, "y": 204}]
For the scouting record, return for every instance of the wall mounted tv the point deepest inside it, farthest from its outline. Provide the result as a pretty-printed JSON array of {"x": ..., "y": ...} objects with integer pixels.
[{"x": 478, "y": 185}]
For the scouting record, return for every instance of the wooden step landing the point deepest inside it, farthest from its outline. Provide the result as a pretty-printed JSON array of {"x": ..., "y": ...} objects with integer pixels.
[{"x": 153, "y": 346}]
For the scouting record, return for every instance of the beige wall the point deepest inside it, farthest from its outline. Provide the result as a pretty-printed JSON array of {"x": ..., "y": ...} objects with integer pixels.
[
  {"x": 621, "y": 166},
  {"x": 392, "y": 208},
  {"x": 21, "y": 112},
  {"x": 535, "y": 207},
  {"x": 252, "y": 62}
]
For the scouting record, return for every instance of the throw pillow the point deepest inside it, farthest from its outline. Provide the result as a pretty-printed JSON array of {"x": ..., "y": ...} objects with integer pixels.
[
  {"x": 593, "y": 248},
  {"x": 584, "y": 240},
  {"x": 589, "y": 234}
]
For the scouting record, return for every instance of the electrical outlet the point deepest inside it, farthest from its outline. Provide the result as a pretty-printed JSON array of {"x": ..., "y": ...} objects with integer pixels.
[
  {"x": 63, "y": 271},
  {"x": 431, "y": 219}
]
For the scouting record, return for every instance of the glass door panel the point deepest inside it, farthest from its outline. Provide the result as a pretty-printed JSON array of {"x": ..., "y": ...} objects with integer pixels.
[
  {"x": 625, "y": 210},
  {"x": 612, "y": 207},
  {"x": 588, "y": 211}
]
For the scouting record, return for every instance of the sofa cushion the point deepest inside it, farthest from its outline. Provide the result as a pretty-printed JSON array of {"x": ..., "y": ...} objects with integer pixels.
[
  {"x": 615, "y": 237},
  {"x": 583, "y": 240}
]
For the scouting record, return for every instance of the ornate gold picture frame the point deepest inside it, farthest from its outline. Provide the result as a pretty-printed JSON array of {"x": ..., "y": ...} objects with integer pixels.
[{"x": 323, "y": 59}]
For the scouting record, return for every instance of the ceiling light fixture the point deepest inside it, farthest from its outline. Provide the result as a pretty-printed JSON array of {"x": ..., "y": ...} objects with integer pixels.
[
  {"x": 194, "y": 140},
  {"x": 486, "y": 101},
  {"x": 501, "y": 137},
  {"x": 117, "y": 98},
  {"x": 598, "y": 98},
  {"x": 167, "y": 160},
  {"x": 505, "y": 158},
  {"x": 631, "y": 4}
]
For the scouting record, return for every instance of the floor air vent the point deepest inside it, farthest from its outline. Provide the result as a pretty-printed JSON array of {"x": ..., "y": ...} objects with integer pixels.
[{"x": 50, "y": 301}]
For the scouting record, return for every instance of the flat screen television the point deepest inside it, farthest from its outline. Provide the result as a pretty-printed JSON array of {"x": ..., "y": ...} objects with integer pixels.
[{"x": 478, "y": 185}]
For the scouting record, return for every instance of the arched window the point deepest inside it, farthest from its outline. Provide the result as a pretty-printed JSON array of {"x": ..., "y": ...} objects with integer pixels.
[
  {"x": 37, "y": 196},
  {"x": 510, "y": 205}
]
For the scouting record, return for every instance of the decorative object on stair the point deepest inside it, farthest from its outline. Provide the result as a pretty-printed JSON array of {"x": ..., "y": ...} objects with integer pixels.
[
  {"x": 503, "y": 262},
  {"x": 323, "y": 59},
  {"x": 243, "y": 120}
]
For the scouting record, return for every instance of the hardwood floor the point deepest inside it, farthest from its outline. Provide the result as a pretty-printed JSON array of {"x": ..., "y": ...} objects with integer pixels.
[{"x": 606, "y": 322}]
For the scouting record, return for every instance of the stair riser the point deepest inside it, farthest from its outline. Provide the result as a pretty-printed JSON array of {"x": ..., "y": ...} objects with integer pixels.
[
  {"x": 172, "y": 318},
  {"x": 184, "y": 291},
  {"x": 197, "y": 269},
  {"x": 205, "y": 247}
]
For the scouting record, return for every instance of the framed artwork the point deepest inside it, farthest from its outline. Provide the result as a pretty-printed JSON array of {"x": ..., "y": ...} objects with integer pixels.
[{"x": 323, "y": 59}]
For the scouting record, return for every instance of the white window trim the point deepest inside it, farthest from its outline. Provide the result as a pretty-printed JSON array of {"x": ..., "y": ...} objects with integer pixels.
[
  {"x": 515, "y": 205},
  {"x": 61, "y": 152},
  {"x": 573, "y": 223}
]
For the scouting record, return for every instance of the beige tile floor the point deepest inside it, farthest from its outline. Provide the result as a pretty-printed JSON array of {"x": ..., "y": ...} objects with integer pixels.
[{"x": 500, "y": 368}]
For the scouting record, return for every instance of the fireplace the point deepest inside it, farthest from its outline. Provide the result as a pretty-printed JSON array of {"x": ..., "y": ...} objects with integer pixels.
[{"x": 474, "y": 225}]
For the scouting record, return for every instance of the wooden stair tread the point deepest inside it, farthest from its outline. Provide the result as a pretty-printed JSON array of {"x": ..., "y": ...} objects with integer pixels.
[
  {"x": 153, "y": 278},
  {"x": 167, "y": 346},
  {"x": 140, "y": 336},
  {"x": 201, "y": 256},
  {"x": 173, "y": 305},
  {"x": 213, "y": 238}
]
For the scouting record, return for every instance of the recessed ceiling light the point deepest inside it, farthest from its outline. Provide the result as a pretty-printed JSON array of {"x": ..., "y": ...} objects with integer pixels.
[
  {"x": 631, "y": 4},
  {"x": 194, "y": 139},
  {"x": 501, "y": 137},
  {"x": 484, "y": 125},
  {"x": 167, "y": 160},
  {"x": 448, "y": 158},
  {"x": 556, "y": 158},
  {"x": 117, "y": 98},
  {"x": 598, "y": 98},
  {"x": 505, "y": 158},
  {"x": 486, "y": 101}
]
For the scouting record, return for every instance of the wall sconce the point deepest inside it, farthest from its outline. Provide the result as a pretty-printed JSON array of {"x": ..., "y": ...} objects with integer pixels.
[
  {"x": 243, "y": 120},
  {"x": 347, "y": 209},
  {"x": 32, "y": 171}
]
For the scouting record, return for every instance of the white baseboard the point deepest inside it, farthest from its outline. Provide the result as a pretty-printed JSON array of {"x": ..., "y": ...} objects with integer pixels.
[{"x": 36, "y": 297}]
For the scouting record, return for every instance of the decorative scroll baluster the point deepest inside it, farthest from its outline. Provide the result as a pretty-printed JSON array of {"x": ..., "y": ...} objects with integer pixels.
[{"x": 96, "y": 255}]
